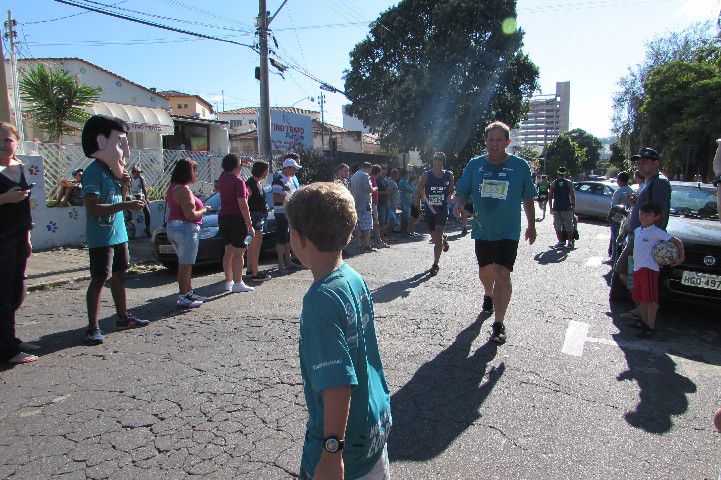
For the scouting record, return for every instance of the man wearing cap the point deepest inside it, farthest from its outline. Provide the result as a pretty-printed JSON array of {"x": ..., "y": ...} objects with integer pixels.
[
  {"x": 70, "y": 191},
  {"x": 562, "y": 203},
  {"x": 283, "y": 184},
  {"x": 655, "y": 189}
]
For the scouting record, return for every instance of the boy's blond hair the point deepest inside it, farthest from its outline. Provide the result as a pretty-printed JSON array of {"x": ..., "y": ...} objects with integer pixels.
[{"x": 324, "y": 213}]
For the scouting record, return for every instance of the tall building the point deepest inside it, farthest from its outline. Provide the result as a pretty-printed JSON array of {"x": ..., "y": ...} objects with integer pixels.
[{"x": 547, "y": 118}]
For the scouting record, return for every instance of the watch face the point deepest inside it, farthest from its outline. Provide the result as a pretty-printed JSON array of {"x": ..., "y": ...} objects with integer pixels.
[{"x": 332, "y": 445}]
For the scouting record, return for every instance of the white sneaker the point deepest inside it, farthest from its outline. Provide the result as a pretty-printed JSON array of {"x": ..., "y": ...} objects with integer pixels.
[
  {"x": 184, "y": 301},
  {"x": 196, "y": 297},
  {"x": 241, "y": 287},
  {"x": 229, "y": 286}
]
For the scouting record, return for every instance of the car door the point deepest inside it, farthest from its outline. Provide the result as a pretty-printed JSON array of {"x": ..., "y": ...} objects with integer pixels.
[{"x": 584, "y": 198}]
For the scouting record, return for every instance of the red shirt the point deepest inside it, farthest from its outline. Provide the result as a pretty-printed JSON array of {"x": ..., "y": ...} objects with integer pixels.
[
  {"x": 231, "y": 188},
  {"x": 374, "y": 195}
]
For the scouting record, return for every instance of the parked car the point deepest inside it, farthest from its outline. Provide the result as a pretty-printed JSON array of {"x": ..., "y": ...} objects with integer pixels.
[
  {"x": 593, "y": 198},
  {"x": 694, "y": 219},
  {"x": 211, "y": 246}
]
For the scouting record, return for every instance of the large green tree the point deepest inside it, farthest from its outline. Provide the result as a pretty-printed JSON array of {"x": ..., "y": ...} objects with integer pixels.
[
  {"x": 683, "y": 110},
  {"x": 564, "y": 152},
  {"x": 54, "y": 101},
  {"x": 630, "y": 124},
  {"x": 593, "y": 146},
  {"x": 432, "y": 73}
]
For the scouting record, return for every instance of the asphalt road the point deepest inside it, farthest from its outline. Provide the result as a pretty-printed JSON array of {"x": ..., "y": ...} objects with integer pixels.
[{"x": 217, "y": 391}]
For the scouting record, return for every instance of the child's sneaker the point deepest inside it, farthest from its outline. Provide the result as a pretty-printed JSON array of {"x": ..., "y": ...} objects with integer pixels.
[
  {"x": 93, "y": 336},
  {"x": 499, "y": 333},
  {"x": 240, "y": 287},
  {"x": 184, "y": 301}
]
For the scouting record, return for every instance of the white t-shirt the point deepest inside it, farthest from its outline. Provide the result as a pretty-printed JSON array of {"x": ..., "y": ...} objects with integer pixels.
[{"x": 644, "y": 239}]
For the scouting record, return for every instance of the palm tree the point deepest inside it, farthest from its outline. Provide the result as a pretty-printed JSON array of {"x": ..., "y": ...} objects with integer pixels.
[{"x": 55, "y": 99}]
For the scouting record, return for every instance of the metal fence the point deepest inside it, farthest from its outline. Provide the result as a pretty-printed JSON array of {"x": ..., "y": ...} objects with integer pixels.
[{"x": 60, "y": 160}]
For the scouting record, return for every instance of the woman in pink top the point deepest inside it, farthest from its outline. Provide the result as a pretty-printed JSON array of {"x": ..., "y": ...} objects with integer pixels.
[{"x": 186, "y": 216}]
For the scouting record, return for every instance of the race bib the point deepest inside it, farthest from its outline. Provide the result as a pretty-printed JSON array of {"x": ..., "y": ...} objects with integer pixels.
[
  {"x": 436, "y": 200},
  {"x": 497, "y": 189}
]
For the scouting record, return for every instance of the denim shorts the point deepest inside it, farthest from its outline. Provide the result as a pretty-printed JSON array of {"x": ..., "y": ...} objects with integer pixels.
[{"x": 184, "y": 238}]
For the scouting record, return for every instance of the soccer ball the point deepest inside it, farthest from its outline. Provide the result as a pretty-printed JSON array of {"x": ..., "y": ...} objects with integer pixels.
[{"x": 665, "y": 253}]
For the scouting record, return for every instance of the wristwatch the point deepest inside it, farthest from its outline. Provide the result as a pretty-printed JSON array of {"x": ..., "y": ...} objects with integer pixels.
[{"x": 333, "y": 444}]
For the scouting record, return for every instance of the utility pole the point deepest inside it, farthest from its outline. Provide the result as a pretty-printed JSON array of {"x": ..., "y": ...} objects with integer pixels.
[
  {"x": 265, "y": 147},
  {"x": 322, "y": 124},
  {"x": 222, "y": 94},
  {"x": 11, "y": 35},
  {"x": 4, "y": 98}
]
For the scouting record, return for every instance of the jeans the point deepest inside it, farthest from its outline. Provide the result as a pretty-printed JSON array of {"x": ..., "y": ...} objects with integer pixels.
[
  {"x": 612, "y": 249},
  {"x": 184, "y": 237}
]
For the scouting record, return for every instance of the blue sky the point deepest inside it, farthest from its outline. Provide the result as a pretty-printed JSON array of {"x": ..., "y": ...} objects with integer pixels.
[{"x": 592, "y": 43}]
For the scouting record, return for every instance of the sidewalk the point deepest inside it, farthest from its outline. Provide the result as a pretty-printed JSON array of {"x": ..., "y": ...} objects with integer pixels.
[{"x": 70, "y": 264}]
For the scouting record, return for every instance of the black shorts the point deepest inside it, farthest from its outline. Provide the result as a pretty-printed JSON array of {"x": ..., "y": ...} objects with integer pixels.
[
  {"x": 282, "y": 229},
  {"x": 233, "y": 230},
  {"x": 542, "y": 197},
  {"x": 469, "y": 207},
  {"x": 499, "y": 252},
  {"x": 104, "y": 260},
  {"x": 437, "y": 219}
]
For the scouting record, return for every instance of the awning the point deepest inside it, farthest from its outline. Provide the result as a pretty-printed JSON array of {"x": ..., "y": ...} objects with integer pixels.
[{"x": 140, "y": 119}]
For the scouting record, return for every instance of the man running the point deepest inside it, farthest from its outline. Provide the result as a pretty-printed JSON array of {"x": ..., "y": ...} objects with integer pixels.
[
  {"x": 497, "y": 183},
  {"x": 563, "y": 205},
  {"x": 542, "y": 198},
  {"x": 434, "y": 192}
]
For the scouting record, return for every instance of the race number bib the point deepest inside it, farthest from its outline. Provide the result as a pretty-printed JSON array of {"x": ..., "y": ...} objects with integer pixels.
[
  {"x": 436, "y": 200},
  {"x": 497, "y": 189}
]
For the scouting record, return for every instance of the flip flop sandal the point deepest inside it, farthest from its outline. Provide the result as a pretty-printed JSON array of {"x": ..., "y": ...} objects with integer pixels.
[
  {"x": 130, "y": 322},
  {"x": 22, "y": 358}
]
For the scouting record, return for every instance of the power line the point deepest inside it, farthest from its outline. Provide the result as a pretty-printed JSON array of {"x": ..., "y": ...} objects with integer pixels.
[
  {"x": 208, "y": 13},
  {"x": 66, "y": 16},
  {"x": 153, "y": 24}
]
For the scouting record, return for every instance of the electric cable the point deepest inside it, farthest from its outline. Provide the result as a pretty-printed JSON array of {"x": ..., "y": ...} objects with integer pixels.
[{"x": 64, "y": 17}]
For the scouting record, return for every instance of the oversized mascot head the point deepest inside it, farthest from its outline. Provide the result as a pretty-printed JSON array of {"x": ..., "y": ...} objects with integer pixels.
[{"x": 105, "y": 138}]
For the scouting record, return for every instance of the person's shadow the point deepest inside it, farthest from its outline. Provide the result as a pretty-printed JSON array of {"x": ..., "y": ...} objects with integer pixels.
[
  {"x": 662, "y": 390},
  {"x": 443, "y": 398},
  {"x": 398, "y": 289},
  {"x": 552, "y": 255}
]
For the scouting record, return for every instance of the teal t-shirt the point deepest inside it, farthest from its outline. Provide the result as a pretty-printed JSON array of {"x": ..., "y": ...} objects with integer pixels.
[
  {"x": 497, "y": 192},
  {"x": 338, "y": 347},
  {"x": 109, "y": 229},
  {"x": 407, "y": 192}
]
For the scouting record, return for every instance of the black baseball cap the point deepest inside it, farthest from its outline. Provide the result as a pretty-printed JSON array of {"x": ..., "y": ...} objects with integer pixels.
[{"x": 647, "y": 154}]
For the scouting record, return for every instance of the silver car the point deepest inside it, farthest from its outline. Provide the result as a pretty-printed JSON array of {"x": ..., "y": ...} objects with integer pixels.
[{"x": 593, "y": 198}]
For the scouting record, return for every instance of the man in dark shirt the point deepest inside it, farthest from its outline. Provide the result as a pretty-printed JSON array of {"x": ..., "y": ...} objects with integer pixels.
[{"x": 562, "y": 202}]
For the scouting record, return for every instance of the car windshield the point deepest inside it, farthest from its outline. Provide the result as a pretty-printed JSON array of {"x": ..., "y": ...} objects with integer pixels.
[{"x": 693, "y": 202}]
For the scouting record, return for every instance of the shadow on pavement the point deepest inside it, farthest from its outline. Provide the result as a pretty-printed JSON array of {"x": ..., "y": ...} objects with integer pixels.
[
  {"x": 662, "y": 390},
  {"x": 552, "y": 255},
  {"x": 443, "y": 398},
  {"x": 398, "y": 289}
]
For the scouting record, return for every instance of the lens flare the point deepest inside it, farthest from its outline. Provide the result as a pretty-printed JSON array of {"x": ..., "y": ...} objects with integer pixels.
[{"x": 509, "y": 26}]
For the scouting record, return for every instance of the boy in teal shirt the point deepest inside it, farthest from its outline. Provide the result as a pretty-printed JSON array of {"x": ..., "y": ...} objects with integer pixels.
[{"x": 345, "y": 389}]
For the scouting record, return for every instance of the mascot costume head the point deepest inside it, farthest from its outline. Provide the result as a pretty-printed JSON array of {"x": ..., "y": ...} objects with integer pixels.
[{"x": 105, "y": 138}]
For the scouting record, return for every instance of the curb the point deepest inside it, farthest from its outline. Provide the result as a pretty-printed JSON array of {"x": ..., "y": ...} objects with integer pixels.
[{"x": 65, "y": 281}]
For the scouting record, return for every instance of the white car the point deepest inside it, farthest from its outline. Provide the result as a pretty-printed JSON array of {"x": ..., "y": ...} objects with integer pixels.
[{"x": 593, "y": 198}]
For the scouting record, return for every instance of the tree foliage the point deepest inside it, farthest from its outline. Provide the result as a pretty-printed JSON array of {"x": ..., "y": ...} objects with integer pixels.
[
  {"x": 54, "y": 99},
  {"x": 592, "y": 146},
  {"x": 630, "y": 124},
  {"x": 618, "y": 156},
  {"x": 433, "y": 73},
  {"x": 564, "y": 152},
  {"x": 683, "y": 110}
]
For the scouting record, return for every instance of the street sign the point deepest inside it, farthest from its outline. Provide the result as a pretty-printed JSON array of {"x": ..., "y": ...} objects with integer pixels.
[{"x": 290, "y": 132}]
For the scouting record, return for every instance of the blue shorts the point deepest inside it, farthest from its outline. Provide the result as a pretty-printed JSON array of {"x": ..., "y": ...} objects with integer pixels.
[
  {"x": 258, "y": 219},
  {"x": 365, "y": 221},
  {"x": 184, "y": 238}
]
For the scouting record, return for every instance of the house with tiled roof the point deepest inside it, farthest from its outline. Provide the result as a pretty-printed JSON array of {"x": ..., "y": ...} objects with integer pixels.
[{"x": 187, "y": 105}]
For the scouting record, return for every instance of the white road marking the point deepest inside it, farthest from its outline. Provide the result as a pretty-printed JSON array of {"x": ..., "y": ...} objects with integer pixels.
[
  {"x": 603, "y": 236},
  {"x": 594, "y": 262},
  {"x": 576, "y": 335}
]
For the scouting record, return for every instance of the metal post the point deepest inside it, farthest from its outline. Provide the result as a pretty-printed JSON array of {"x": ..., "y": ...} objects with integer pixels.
[
  {"x": 4, "y": 99},
  {"x": 264, "y": 143},
  {"x": 322, "y": 124},
  {"x": 11, "y": 34}
]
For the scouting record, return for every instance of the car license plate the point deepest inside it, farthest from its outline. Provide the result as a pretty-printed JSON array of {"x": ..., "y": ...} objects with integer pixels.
[
  {"x": 166, "y": 249},
  {"x": 702, "y": 280}
]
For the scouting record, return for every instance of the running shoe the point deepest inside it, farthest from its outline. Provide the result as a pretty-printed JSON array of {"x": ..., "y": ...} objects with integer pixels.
[
  {"x": 260, "y": 277},
  {"x": 240, "y": 287},
  {"x": 560, "y": 245},
  {"x": 184, "y": 301},
  {"x": 445, "y": 243},
  {"x": 434, "y": 270},
  {"x": 487, "y": 304},
  {"x": 196, "y": 297},
  {"x": 228, "y": 287},
  {"x": 646, "y": 332},
  {"x": 94, "y": 336},
  {"x": 130, "y": 321},
  {"x": 499, "y": 333}
]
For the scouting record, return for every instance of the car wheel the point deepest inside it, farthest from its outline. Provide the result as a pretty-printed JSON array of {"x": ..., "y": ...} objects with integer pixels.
[{"x": 618, "y": 291}]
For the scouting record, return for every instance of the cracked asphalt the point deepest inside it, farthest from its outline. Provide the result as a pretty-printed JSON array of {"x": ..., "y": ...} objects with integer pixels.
[{"x": 216, "y": 392}]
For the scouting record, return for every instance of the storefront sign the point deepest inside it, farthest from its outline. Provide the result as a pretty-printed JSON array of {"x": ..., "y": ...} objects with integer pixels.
[
  {"x": 290, "y": 131},
  {"x": 144, "y": 127}
]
